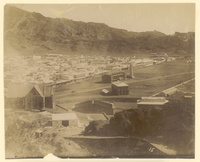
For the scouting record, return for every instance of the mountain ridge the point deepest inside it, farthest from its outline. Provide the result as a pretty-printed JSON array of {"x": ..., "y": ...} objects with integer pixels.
[{"x": 32, "y": 33}]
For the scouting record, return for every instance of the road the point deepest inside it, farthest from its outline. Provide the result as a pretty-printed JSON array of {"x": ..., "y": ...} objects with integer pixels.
[
  {"x": 176, "y": 85},
  {"x": 160, "y": 147}
]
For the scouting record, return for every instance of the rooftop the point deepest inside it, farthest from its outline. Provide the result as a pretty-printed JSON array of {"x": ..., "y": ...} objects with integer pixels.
[
  {"x": 18, "y": 90},
  {"x": 105, "y": 91},
  {"x": 120, "y": 84},
  {"x": 152, "y": 101},
  {"x": 65, "y": 116},
  {"x": 21, "y": 90},
  {"x": 173, "y": 89}
]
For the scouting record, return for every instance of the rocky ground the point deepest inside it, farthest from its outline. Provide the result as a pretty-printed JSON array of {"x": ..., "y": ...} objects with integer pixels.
[{"x": 21, "y": 141}]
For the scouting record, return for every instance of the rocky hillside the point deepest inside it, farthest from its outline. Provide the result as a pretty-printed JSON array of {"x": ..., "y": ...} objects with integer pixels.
[{"x": 32, "y": 33}]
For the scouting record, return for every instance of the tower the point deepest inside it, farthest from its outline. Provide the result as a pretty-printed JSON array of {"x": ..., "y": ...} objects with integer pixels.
[{"x": 131, "y": 70}]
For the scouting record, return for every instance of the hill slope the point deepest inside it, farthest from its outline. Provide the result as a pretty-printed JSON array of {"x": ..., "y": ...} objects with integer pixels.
[{"x": 32, "y": 33}]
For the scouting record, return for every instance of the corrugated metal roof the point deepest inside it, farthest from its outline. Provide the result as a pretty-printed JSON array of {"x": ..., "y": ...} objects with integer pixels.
[
  {"x": 153, "y": 98},
  {"x": 65, "y": 116},
  {"x": 105, "y": 91},
  {"x": 152, "y": 103},
  {"x": 170, "y": 90}
]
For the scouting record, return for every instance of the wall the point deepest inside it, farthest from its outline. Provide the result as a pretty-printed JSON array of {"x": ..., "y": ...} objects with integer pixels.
[
  {"x": 14, "y": 103},
  {"x": 73, "y": 123},
  {"x": 119, "y": 90},
  {"x": 48, "y": 102},
  {"x": 56, "y": 123},
  {"x": 106, "y": 78},
  {"x": 33, "y": 100},
  {"x": 151, "y": 106}
]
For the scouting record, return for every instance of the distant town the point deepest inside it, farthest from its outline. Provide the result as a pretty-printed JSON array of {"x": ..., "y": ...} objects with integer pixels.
[{"x": 58, "y": 68}]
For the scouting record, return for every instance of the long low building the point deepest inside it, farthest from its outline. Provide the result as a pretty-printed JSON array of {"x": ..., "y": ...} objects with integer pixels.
[
  {"x": 94, "y": 107},
  {"x": 152, "y": 102}
]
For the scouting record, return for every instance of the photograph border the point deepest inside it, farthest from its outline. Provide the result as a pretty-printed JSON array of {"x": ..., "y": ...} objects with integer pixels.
[{"x": 197, "y": 59}]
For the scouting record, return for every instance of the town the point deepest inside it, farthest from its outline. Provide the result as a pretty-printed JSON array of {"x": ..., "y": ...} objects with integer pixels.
[
  {"x": 58, "y": 68},
  {"x": 69, "y": 93},
  {"x": 119, "y": 84}
]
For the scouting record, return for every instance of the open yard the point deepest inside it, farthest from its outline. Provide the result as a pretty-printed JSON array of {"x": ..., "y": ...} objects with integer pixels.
[{"x": 147, "y": 81}]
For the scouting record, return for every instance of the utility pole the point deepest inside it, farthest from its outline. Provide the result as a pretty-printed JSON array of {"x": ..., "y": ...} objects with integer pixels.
[{"x": 43, "y": 96}]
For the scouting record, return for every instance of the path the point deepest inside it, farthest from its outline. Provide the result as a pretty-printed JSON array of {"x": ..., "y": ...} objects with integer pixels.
[
  {"x": 160, "y": 147},
  {"x": 177, "y": 85}
]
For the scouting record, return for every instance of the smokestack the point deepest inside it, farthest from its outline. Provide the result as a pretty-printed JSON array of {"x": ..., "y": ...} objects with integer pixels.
[{"x": 131, "y": 70}]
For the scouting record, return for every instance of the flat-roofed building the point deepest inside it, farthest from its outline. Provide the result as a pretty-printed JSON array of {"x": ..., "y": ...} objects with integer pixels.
[
  {"x": 65, "y": 119},
  {"x": 152, "y": 102},
  {"x": 120, "y": 88}
]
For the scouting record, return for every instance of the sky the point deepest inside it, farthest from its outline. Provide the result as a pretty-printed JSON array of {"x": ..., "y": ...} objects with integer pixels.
[{"x": 166, "y": 18}]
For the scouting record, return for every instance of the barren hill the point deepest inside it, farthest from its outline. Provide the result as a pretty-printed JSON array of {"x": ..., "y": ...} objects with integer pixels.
[{"x": 32, "y": 33}]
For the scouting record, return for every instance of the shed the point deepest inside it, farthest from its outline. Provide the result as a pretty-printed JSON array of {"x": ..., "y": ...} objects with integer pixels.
[
  {"x": 27, "y": 96},
  {"x": 65, "y": 119},
  {"x": 38, "y": 133},
  {"x": 105, "y": 91},
  {"x": 170, "y": 91}
]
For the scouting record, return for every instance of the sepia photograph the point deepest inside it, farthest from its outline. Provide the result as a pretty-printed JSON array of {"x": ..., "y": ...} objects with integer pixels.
[{"x": 99, "y": 80}]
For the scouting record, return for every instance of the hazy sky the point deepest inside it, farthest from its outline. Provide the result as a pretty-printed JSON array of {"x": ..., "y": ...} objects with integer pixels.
[{"x": 166, "y": 18}]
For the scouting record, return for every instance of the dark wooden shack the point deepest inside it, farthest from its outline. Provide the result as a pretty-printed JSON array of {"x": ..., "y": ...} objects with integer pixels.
[{"x": 28, "y": 97}]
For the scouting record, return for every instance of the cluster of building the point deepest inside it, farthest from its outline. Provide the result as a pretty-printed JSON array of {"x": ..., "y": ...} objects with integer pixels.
[
  {"x": 57, "y": 68},
  {"x": 28, "y": 82}
]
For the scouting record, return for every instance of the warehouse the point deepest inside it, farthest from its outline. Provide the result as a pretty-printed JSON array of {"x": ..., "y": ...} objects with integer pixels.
[
  {"x": 120, "y": 88},
  {"x": 94, "y": 107},
  {"x": 113, "y": 76}
]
